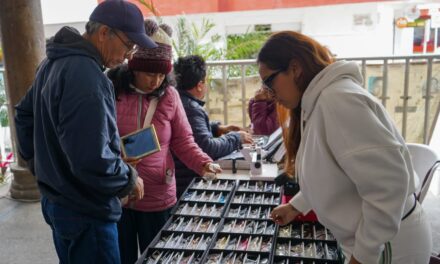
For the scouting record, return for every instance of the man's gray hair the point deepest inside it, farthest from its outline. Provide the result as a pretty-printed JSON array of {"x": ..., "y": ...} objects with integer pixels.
[{"x": 92, "y": 27}]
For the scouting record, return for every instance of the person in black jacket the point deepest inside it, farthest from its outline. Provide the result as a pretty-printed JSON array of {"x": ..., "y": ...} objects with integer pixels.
[
  {"x": 214, "y": 139},
  {"x": 67, "y": 133}
]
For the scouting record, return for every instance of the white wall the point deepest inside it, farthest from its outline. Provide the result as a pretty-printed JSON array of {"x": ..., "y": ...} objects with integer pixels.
[
  {"x": 336, "y": 29},
  {"x": 63, "y": 11},
  {"x": 331, "y": 25}
]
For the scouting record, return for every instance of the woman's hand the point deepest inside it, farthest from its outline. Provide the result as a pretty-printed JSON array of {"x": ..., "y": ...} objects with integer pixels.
[
  {"x": 263, "y": 95},
  {"x": 353, "y": 261},
  {"x": 210, "y": 171},
  {"x": 132, "y": 161},
  {"x": 284, "y": 214}
]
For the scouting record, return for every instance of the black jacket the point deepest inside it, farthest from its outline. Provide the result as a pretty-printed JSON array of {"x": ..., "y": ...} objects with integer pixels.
[{"x": 66, "y": 128}]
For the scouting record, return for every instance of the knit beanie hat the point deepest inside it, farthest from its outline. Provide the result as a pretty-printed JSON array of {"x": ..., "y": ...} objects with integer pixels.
[{"x": 154, "y": 60}]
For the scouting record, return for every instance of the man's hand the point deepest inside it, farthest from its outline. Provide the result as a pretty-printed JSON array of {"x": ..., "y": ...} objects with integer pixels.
[
  {"x": 226, "y": 129},
  {"x": 124, "y": 200},
  {"x": 138, "y": 191},
  {"x": 245, "y": 138},
  {"x": 284, "y": 214},
  {"x": 136, "y": 194}
]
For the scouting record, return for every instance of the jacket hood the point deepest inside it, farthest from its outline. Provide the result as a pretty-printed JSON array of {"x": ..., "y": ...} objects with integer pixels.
[
  {"x": 334, "y": 72},
  {"x": 69, "y": 42}
]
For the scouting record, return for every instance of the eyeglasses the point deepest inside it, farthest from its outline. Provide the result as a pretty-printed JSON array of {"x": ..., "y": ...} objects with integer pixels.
[
  {"x": 131, "y": 48},
  {"x": 269, "y": 80}
]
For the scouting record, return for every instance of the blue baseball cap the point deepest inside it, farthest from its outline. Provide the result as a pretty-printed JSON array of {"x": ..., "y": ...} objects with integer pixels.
[{"x": 126, "y": 17}]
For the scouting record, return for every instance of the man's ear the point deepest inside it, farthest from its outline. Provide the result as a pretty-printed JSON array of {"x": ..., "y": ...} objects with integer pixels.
[
  {"x": 199, "y": 86},
  {"x": 103, "y": 33}
]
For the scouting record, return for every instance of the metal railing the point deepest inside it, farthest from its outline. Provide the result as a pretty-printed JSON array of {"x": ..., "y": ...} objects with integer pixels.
[
  {"x": 365, "y": 63},
  {"x": 430, "y": 97},
  {"x": 406, "y": 96}
]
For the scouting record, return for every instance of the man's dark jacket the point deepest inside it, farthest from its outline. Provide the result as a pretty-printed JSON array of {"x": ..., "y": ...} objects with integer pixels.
[{"x": 66, "y": 129}]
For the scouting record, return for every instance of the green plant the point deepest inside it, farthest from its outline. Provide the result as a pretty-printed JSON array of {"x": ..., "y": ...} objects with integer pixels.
[
  {"x": 193, "y": 39},
  {"x": 196, "y": 39},
  {"x": 190, "y": 38},
  {"x": 4, "y": 120},
  {"x": 150, "y": 6},
  {"x": 244, "y": 46}
]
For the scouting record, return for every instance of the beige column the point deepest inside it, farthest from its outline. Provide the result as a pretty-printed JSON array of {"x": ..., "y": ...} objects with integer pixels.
[{"x": 22, "y": 38}]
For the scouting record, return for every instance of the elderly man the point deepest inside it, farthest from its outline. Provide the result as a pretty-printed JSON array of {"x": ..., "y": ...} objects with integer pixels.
[{"x": 66, "y": 130}]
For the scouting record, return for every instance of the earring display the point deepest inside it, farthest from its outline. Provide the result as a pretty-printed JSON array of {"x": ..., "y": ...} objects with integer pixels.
[
  {"x": 181, "y": 241},
  {"x": 258, "y": 186},
  {"x": 206, "y": 196},
  {"x": 192, "y": 224},
  {"x": 228, "y": 222},
  {"x": 305, "y": 242},
  {"x": 168, "y": 256},
  {"x": 216, "y": 185}
]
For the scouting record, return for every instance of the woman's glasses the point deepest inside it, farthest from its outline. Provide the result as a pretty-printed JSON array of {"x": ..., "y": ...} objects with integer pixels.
[{"x": 269, "y": 81}]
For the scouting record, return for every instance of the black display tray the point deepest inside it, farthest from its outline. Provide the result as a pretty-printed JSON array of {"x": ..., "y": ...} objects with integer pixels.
[
  {"x": 261, "y": 198},
  {"x": 305, "y": 242},
  {"x": 215, "y": 185},
  {"x": 190, "y": 241},
  {"x": 216, "y": 257},
  {"x": 244, "y": 243},
  {"x": 305, "y": 231},
  {"x": 167, "y": 255},
  {"x": 239, "y": 235},
  {"x": 258, "y": 186},
  {"x": 200, "y": 209},
  {"x": 214, "y": 188},
  {"x": 307, "y": 251},
  {"x": 247, "y": 211},
  {"x": 184, "y": 227},
  {"x": 218, "y": 197}
]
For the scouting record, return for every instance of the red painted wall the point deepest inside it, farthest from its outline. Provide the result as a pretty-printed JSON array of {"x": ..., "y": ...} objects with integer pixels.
[
  {"x": 178, "y": 7},
  {"x": 242, "y": 5}
]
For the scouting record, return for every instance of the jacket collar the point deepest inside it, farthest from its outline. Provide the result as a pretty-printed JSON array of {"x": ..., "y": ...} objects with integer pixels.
[{"x": 191, "y": 97}]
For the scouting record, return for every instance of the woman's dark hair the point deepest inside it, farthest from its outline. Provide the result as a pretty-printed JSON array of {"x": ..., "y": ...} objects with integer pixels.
[
  {"x": 189, "y": 71},
  {"x": 278, "y": 53},
  {"x": 122, "y": 77}
]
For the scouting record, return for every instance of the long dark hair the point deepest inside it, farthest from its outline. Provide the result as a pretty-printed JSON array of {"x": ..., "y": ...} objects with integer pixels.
[
  {"x": 122, "y": 77},
  {"x": 279, "y": 51}
]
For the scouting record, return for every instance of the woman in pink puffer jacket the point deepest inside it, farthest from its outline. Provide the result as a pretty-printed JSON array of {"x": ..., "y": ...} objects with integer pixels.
[{"x": 145, "y": 77}]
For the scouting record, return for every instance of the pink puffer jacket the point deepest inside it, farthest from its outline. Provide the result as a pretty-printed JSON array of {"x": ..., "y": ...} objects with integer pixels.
[{"x": 174, "y": 133}]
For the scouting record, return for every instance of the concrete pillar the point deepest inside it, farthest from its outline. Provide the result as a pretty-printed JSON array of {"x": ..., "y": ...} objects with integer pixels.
[{"x": 22, "y": 37}]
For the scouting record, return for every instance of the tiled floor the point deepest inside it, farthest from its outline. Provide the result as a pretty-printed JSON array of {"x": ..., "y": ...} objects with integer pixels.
[{"x": 25, "y": 238}]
